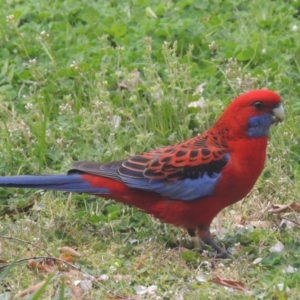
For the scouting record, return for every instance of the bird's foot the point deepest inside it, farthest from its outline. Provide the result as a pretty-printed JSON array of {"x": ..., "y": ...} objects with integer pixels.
[
  {"x": 223, "y": 254},
  {"x": 205, "y": 236}
]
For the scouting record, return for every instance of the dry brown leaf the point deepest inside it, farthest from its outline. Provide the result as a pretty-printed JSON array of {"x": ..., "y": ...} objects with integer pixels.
[
  {"x": 242, "y": 220},
  {"x": 76, "y": 292},
  {"x": 69, "y": 250},
  {"x": 141, "y": 262},
  {"x": 30, "y": 290},
  {"x": 3, "y": 261},
  {"x": 66, "y": 257},
  {"x": 261, "y": 224},
  {"x": 237, "y": 285},
  {"x": 40, "y": 266},
  {"x": 281, "y": 208}
]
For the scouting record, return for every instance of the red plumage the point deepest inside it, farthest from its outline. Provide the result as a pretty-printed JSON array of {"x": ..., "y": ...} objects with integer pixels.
[{"x": 227, "y": 136}]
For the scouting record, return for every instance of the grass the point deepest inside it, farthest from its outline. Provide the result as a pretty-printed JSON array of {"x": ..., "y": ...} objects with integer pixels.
[{"x": 89, "y": 80}]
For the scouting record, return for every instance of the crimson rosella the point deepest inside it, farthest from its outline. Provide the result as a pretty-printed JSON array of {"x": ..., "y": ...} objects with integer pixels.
[{"x": 186, "y": 184}]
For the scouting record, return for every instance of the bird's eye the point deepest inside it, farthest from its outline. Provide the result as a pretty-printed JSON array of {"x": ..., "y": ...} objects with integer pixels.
[{"x": 258, "y": 105}]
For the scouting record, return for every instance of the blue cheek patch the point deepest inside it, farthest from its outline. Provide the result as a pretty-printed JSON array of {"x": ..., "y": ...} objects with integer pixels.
[{"x": 259, "y": 126}]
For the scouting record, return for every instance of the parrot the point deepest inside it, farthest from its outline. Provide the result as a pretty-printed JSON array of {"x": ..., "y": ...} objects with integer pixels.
[{"x": 188, "y": 183}]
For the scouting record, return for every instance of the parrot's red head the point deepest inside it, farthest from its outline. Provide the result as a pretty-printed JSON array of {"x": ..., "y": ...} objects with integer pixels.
[{"x": 251, "y": 114}]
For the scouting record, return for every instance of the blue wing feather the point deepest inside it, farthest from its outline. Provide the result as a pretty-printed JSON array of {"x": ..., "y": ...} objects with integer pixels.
[{"x": 183, "y": 189}]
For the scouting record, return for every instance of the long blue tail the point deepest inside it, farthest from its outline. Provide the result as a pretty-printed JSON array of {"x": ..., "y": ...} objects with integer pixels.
[{"x": 67, "y": 183}]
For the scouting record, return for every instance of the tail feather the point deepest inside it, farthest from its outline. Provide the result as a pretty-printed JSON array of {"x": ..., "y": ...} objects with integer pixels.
[{"x": 67, "y": 183}]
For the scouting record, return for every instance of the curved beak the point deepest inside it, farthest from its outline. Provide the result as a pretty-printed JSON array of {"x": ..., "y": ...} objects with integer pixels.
[{"x": 278, "y": 114}]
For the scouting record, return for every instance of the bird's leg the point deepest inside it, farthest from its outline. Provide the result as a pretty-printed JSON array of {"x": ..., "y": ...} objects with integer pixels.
[{"x": 205, "y": 235}]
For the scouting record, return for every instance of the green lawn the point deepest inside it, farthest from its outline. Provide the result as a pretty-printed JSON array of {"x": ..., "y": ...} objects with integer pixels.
[{"x": 103, "y": 80}]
